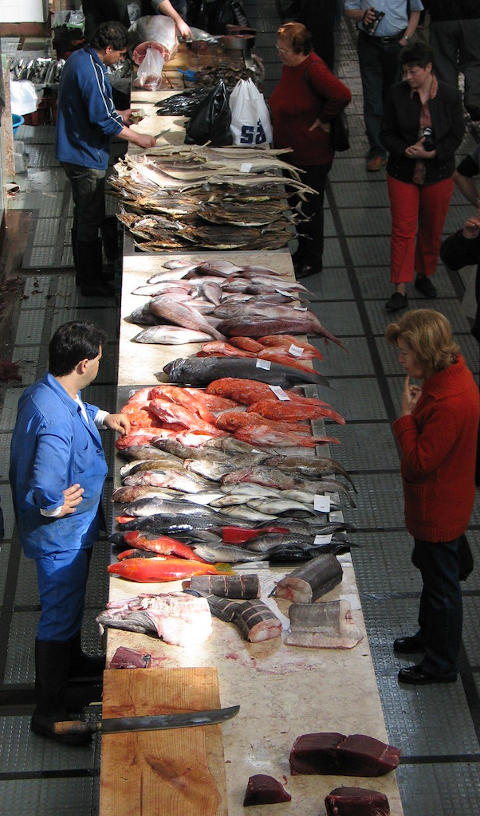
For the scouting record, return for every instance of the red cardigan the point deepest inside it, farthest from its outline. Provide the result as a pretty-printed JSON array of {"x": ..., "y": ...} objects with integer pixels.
[
  {"x": 438, "y": 443},
  {"x": 295, "y": 106}
]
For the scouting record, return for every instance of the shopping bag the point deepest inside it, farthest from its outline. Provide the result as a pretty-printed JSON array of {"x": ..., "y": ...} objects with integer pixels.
[
  {"x": 250, "y": 117},
  {"x": 211, "y": 120},
  {"x": 149, "y": 74}
]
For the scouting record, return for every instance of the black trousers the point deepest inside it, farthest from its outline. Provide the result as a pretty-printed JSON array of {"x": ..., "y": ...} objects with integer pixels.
[
  {"x": 441, "y": 610},
  {"x": 310, "y": 231},
  {"x": 88, "y": 193}
]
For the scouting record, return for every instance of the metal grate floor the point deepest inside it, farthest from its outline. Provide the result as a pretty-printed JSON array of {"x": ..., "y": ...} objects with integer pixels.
[{"x": 438, "y": 728}]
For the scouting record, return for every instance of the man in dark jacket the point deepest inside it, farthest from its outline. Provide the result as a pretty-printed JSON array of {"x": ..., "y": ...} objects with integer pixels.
[
  {"x": 86, "y": 122},
  {"x": 455, "y": 39}
]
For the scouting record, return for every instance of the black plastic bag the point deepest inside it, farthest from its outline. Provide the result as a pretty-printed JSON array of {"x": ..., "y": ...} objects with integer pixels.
[{"x": 211, "y": 120}]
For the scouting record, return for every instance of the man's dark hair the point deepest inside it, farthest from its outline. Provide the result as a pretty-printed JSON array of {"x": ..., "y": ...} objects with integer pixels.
[
  {"x": 110, "y": 33},
  {"x": 71, "y": 343},
  {"x": 417, "y": 53}
]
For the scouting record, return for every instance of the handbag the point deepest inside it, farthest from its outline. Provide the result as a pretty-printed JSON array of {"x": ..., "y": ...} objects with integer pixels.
[{"x": 339, "y": 133}]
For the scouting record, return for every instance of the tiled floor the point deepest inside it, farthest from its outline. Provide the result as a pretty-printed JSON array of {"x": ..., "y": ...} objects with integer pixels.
[{"x": 437, "y": 728}]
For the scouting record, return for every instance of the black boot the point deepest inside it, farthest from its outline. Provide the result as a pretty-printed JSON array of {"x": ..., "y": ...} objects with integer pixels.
[
  {"x": 52, "y": 663},
  {"x": 90, "y": 270},
  {"x": 84, "y": 667}
]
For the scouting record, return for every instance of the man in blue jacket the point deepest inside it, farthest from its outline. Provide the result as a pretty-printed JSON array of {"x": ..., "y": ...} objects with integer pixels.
[
  {"x": 86, "y": 122},
  {"x": 57, "y": 472}
]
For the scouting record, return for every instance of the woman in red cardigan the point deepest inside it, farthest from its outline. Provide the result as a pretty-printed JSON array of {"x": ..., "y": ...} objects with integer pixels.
[
  {"x": 437, "y": 434},
  {"x": 303, "y": 104}
]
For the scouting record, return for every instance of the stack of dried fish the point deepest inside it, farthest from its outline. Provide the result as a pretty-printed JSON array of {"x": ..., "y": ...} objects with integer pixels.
[
  {"x": 230, "y": 74},
  {"x": 215, "y": 198}
]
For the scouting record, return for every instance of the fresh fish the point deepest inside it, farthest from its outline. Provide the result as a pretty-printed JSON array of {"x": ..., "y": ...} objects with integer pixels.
[
  {"x": 204, "y": 370},
  {"x": 130, "y": 493},
  {"x": 244, "y": 587},
  {"x": 149, "y": 570},
  {"x": 170, "y": 335},
  {"x": 294, "y": 411},
  {"x": 210, "y": 469},
  {"x": 172, "y": 412},
  {"x": 257, "y": 622},
  {"x": 309, "y": 466},
  {"x": 187, "y": 521},
  {"x": 232, "y": 446},
  {"x": 327, "y": 625},
  {"x": 278, "y": 506},
  {"x": 286, "y": 341},
  {"x": 176, "y": 479},
  {"x": 264, "y": 435},
  {"x": 165, "y": 462},
  {"x": 252, "y": 490},
  {"x": 269, "y": 477},
  {"x": 182, "y": 315},
  {"x": 226, "y": 554},
  {"x": 257, "y": 325},
  {"x": 247, "y": 514},
  {"x": 308, "y": 583}
]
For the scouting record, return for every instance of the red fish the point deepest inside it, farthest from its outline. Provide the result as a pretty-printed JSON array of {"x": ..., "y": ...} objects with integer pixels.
[
  {"x": 232, "y": 420},
  {"x": 215, "y": 348},
  {"x": 293, "y": 411},
  {"x": 163, "y": 545},
  {"x": 282, "y": 358},
  {"x": 284, "y": 341},
  {"x": 172, "y": 412},
  {"x": 239, "y": 535},
  {"x": 150, "y": 570},
  {"x": 247, "y": 344},
  {"x": 262, "y": 435}
]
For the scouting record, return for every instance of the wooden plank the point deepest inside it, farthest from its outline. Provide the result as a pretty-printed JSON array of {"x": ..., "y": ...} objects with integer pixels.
[{"x": 179, "y": 772}]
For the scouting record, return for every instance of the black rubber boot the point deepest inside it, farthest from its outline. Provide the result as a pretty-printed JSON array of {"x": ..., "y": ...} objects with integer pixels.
[
  {"x": 52, "y": 663},
  {"x": 90, "y": 270},
  {"x": 84, "y": 667},
  {"x": 111, "y": 247}
]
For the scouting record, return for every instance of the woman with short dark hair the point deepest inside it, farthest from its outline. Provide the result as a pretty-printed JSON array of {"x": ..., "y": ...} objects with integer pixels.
[
  {"x": 422, "y": 127},
  {"x": 305, "y": 101},
  {"x": 437, "y": 435}
]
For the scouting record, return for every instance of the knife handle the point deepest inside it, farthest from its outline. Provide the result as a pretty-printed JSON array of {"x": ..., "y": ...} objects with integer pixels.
[{"x": 76, "y": 727}]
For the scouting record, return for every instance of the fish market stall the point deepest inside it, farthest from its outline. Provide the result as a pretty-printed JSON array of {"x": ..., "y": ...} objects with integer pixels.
[{"x": 256, "y": 646}]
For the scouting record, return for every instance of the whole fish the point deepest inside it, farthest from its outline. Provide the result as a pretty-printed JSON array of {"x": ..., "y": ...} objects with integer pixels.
[
  {"x": 227, "y": 554},
  {"x": 150, "y": 570},
  {"x": 309, "y": 466},
  {"x": 293, "y": 411},
  {"x": 210, "y": 469},
  {"x": 130, "y": 493},
  {"x": 175, "y": 479},
  {"x": 182, "y": 315},
  {"x": 170, "y": 336},
  {"x": 247, "y": 514},
  {"x": 171, "y": 412},
  {"x": 163, "y": 545},
  {"x": 183, "y": 452},
  {"x": 174, "y": 522},
  {"x": 270, "y": 477},
  {"x": 252, "y": 490},
  {"x": 268, "y": 436},
  {"x": 230, "y": 445},
  {"x": 279, "y": 506},
  {"x": 204, "y": 370},
  {"x": 162, "y": 463},
  {"x": 305, "y": 322}
]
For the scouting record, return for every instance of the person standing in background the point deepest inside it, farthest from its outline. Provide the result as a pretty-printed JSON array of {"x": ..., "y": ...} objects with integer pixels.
[
  {"x": 57, "y": 473},
  {"x": 319, "y": 18},
  {"x": 437, "y": 435},
  {"x": 86, "y": 122},
  {"x": 455, "y": 39},
  {"x": 383, "y": 30},
  {"x": 303, "y": 104},
  {"x": 103, "y": 11},
  {"x": 421, "y": 129}
]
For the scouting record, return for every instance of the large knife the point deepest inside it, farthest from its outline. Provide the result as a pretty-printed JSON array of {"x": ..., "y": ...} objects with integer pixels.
[{"x": 160, "y": 722}]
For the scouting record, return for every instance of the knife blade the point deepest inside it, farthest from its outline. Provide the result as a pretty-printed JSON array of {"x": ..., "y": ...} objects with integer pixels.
[{"x": 158, "y": 722}]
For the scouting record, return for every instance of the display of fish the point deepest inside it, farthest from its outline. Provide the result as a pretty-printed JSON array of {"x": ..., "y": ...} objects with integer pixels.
[
  {"x": 176, "y": 479},
  {"x": 170, "y": 335},
  {"x": 226, "y": 554},
  {"x": 183, "y": 315},
  {"x": 152, "y": 570},
  {"x": 309, "y": 466},
  {"x": 203, "y": 371},
  {"x": 294, "y": 411}
]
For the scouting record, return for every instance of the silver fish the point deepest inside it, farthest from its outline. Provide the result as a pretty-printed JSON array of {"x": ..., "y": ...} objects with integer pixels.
[
  {"x": 183, "y": 316},
  {"x": 170, "y": 336},
  {"x": 227, "y": 554},
  {"x": 276, "y": 506},
  {"x": 210, "y": 469},
  {"x": 247, "y": 513},
  {"x": 175, "y": 479}
]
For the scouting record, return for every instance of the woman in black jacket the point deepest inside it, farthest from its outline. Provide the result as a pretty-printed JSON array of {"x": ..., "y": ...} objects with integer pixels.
[{"x": 422, "y": 127}]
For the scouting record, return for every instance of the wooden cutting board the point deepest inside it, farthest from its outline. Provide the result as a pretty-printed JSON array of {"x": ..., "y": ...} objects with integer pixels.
[{"x": 179, "y": 772}]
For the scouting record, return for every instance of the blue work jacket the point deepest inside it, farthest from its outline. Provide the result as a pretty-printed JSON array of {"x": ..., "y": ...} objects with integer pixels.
[
  {"x": 86, "y": 115},
  {"x": 54, "y": 447}
]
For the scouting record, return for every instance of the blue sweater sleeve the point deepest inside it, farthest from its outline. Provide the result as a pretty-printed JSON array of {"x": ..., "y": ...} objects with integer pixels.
[{"x": 96, "y": 94}]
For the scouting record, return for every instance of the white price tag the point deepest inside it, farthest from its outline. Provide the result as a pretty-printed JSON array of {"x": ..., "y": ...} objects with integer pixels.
[
  {"x": 322, "y": 539},
  {"x": 245, "y": 167},
  {"x": 279, "y": 392},
  {"x": 266, "y": 364},
  {"x": 295, "y": 351},
  {"x": 321, "y": 503}
]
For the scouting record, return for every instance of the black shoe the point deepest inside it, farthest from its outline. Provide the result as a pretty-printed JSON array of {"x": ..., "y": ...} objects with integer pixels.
[
  {"x": 304, "y": 271},
  {"x": 396, "y": 301},
  {"x": 425, "y": 286},
  {"x": 416, "y": 675},
  {"x": 409, "y": 645},
  {"x": 44, "y": 725}
]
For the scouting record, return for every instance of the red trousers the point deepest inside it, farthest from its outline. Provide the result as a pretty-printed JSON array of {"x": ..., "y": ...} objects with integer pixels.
[{"x": 412, "y": 206}]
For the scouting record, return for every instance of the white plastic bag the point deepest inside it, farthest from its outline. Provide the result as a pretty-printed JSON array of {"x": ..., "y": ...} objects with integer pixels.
[
  {"x": 23, "y": 96},
  {"x": 157, "y": 28},
  {"x": 149, "y": 74},
  {"x": 250, "y": 117}
]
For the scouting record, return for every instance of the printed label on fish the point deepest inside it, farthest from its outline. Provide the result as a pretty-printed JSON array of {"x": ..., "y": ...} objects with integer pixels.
[
  {"x": 266, "y": 364},
  {"x": 279, "y": 392},
  {"x": 321, "y": 503},
  {"x": 295, "y": 351},
  {"x": 322, "y": 539},
  {"x": 245, "y": 167}
]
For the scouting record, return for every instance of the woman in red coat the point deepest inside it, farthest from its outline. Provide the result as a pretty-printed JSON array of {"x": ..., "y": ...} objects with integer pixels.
[
  {"x": 303, "y": 104},
  {"x": 437, "y": 434}
]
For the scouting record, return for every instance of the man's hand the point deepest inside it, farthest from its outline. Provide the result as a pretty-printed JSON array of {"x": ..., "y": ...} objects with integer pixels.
[
  {"x": 118, "y": 422},
  {"x": 72, "y": 497},
  {"x": 183, "y": 29},
  {"x": 126, "y": 116},
  {"x": 471, "y": 228},
  {"x": 411, "y": 395},
  {"x": 145, "y": 140},
  {"x": 369, "y": 17}
]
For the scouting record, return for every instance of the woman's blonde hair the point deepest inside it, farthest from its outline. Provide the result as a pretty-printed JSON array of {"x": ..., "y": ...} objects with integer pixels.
[
  {"x": 297, "y": 37},
  {"x": 428, "y": 335}
]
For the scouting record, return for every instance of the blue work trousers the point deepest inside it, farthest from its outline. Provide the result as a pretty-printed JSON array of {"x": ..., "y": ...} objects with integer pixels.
[
  {"x": 62, "y": 582},
  {"x": 379, "y": 69}
]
